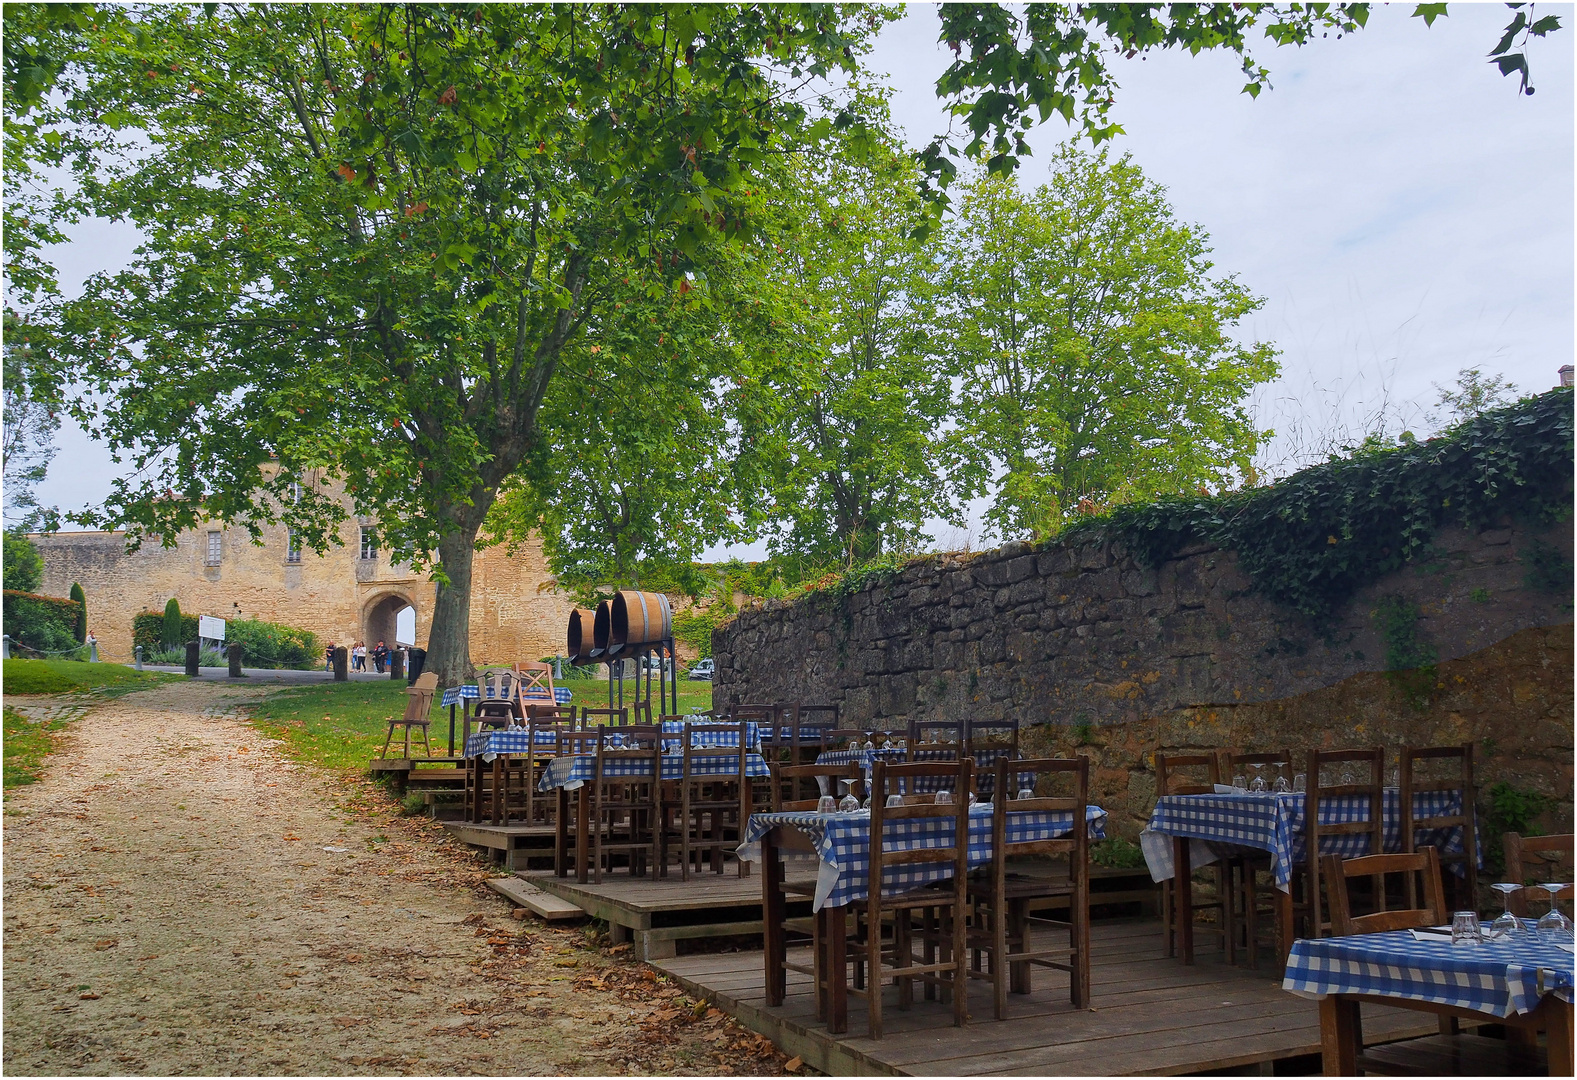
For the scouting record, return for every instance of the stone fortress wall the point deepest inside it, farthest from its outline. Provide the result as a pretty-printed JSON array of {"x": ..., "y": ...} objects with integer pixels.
[
  {"x": 515, "y": 612},
  {"x": 1099, "y": 654}
]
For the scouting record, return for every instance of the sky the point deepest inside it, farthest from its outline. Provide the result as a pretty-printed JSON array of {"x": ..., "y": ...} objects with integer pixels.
[{"x": 1403, "y": 211}]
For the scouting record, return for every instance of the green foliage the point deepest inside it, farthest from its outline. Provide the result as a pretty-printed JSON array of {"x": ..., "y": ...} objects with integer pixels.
[
  {"x": 694, "y": 628},
  {"x": 81, "y": 629},
  {"x": 66, "y": 676},
  {"x": 174, "y": 632},
  {"x": 24, "y": 566},
  {"x": 1508, "y": 808},
  {"x": 147, "y": 630},
  {"x": 414, "y": 803},
  {"x": 270, "y": 645},
  {"x": 1092, "y": 348},
  {"x": 1409, "y": 658},
  {"x": 334, "y": 725},
  {"x": 1117, "y": 854},
  {"x": 1549, "y": 571},
  {"x": 835, "y": 587},
  {"x": 1310, "y": 541},
  {"x": 27, "y": 744},
  {"x": 42, "y": 623}
]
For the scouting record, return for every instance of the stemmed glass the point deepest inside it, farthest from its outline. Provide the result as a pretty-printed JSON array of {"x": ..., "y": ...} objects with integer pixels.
[
  {"x": 1505, "y": 927},
  {"x": 1258, "y": 783},
  {"x": 1281, "y": 787},
  {"x": 1026, "y": 793},
  {"x": 1553, "y": 925},
  {"x": 849, "y": 803},
  {"x": 1240, "y": 784}
]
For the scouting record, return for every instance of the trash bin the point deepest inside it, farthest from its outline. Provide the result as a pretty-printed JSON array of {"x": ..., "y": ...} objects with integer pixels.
[{"x": 415, "y": 660}]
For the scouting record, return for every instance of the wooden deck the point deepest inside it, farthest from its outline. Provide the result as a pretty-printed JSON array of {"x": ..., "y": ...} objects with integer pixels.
[
  {"x": 1152, "y": 1016},
  {"x": 514, "y": 847},
  {"x": 657, "y": 914}
]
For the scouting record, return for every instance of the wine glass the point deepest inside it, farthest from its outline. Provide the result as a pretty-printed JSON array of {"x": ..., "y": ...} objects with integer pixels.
[
  {"x": 1506, "y": 926},
  {"x": 1240, "y": 784},
  {"x": 826, "y": 805},
  {"x": 943, "y": 797},
  {"x": 1026, "y": 793},
  {"x": 848, "y": 804},
  {"x": 1553, "y": 925},
  {"x": 1281, "y": 786},
  {"x": 1258, "y": 783},
  {"x": 1300, "y": 782}
]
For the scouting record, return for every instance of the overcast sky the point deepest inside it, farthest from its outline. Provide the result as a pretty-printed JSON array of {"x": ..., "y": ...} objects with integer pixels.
[{"x": 1402, "y": 210}]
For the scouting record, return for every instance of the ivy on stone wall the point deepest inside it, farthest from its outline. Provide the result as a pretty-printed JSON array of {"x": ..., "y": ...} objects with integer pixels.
[{"x": 1311, "y": 540}]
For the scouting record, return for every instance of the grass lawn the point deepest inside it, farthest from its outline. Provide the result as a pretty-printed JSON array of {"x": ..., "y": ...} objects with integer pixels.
[
  {"x": 343, "y": 725},
  {"x": 26, "y": 746},
  {"x": 68, "y": 676}
]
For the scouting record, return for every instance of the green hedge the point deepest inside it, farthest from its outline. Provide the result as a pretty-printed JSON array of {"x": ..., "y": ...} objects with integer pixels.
[
  {"x": 270, "y": 645},
  {"x": 147, "y": 629},
  {"x": 43, "y": 623}
]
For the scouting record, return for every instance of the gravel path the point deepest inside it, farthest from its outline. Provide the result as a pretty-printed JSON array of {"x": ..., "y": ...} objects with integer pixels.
[{"x": 180, "y": 899}]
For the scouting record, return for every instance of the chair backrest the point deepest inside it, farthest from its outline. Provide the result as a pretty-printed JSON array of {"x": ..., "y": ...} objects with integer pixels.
[
  {"x": 712, "y": 735},
  {"x": 1367, "y": 793},
  {"x": 935, "y": 733},
  {"x": 1233, "y": 760},
  {"x": 561, "y": 714},
  {"x": 496, "y": 692},
  {"x": 759, "y": 712},
  {"x": 890, "y": 847},
  {"x": 419, "y": 698},
  {"x": 1168, "y": 783},
  {"x": 1012, "y": 774},
  {"x": 985, "y": 736},
  {"x": 1535, "y": 859},
  {"x": 816, "y": 717},
  {"x": 1336, "y": 871},
  {"x": 792, "y": 779},
  {"x": 427, "y": 680},
  {"x": 839, "y": 738},
  {"x": 618, "y": 717},
  {"x": 1456, "y": 778},
  {"x": 647, "y": 744},
  {"x": 575, "y": 743},
  {"x": 535, "y": 681}
]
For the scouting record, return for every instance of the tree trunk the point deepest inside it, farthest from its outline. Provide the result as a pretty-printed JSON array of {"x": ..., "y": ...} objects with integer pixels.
[{"x": 449, "y": 640}]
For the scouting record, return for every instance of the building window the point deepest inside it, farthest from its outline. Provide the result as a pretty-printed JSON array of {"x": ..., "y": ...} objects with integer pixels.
[
  {"x": 369, "y": 543},
  {"x": 292, "y": 547},
  {"x": 215, "y": 547}
]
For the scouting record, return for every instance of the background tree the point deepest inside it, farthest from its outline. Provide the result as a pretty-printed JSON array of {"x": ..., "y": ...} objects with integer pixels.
[
  {"x": 30, "y": 420},
  {"x": 1474, "y": 393},
  {"x": 371, "y": 232},
  {"x": 172, "y": 623},
  {"x": 80, "y": 597},
  {"x": 845, "y": 400},
  {"x": 1091, "y": 346},
  {"x": 24, "y": 566}
]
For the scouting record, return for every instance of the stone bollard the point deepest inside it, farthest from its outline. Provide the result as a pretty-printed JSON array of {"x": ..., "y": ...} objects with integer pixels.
[
  {"x": 341, "y": 673},
  {"x": 235, "y": 659},
  {"x": 397, "y": 664},
  {"x": 5, "y": 646},
  {"x": 138, "y": 651},
  {"x": 191, "y": 659}
]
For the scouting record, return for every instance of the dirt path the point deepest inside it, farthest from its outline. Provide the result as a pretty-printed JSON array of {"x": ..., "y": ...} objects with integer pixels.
[{"x": 181, "y": 899}]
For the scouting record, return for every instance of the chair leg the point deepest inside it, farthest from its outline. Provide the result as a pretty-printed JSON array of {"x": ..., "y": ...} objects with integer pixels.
[{"x": 387, "y": 739}]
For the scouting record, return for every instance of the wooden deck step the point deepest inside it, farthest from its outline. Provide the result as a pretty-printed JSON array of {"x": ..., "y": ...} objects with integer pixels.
[{"x": 533, "y": 899}]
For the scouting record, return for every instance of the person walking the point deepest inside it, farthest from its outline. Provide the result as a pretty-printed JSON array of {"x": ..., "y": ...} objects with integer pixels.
[
  {"x": 328, "y": 658},
  {"x": 358, "y": 656},
  {"x": 380, "y": 656}
]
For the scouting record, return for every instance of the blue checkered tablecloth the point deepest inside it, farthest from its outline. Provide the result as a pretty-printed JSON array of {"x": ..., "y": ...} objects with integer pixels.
[
  {"x": 1495, "y": 977},
  {"x": 572, "y": 772},
  {"x": 985, "y": 763},
  {"x": 701, "y": 736},
  {"x": 489, "y": 744},
  {"x": 469, "y": 692},
  {"x": 843, "y": 843},
  {"x": 1273, "y": 822}
]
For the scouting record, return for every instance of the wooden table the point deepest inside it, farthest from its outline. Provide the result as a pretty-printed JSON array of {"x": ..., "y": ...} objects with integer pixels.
[{"x": 1486, "y": 982}]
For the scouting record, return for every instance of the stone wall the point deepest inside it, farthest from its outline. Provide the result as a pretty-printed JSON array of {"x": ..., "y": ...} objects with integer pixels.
[
  {"x": 515, "y": 612},
  {"x": 1084, "y": 639}
]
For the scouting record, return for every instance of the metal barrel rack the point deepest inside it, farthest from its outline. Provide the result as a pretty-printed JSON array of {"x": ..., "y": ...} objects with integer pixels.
[{"x": 632, "y": 625}]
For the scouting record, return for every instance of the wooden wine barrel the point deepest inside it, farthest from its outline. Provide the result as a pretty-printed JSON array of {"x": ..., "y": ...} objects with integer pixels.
[
  {"x": 600, "y": 627},
  {"x": 580, "y": 636},
  {"x": 640, "y": 618}
]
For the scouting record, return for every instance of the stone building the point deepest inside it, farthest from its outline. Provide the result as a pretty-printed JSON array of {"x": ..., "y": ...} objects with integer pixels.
[{"x": 353, "y": 592}]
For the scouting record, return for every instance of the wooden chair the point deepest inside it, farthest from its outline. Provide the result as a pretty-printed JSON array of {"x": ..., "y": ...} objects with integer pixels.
[
  {"x": 1368, "y": 794},
  {"x": 987, "y": 741},
  {"x": 497, "y": 704},
  {"x": 781, "y": 739},
  {"x": 590, "y": 717},
  {"x": 557, "y": 714},
  {"x": 626, "y": 810},
  {"x": 812, "y": 719},
  {"x": 935, "y": 734},
  {"x": 1460, "y": 758},
  {"x": 1533, "y": 860},
  {"x": 1180, "y": 939},
  {"x": 1449, "y": 1052},
  {"x": 943, "y": 907},
  {"x": 540, "y": 730},
  {"x": 572, "y": 830},
  {"x": 1245, "y": 869},
  {"x": 418, "y": 703},
  {"x": 1000, "y": 900},
  {"x": 534, "y": 683},
  {"x": 712, "y": 808}
]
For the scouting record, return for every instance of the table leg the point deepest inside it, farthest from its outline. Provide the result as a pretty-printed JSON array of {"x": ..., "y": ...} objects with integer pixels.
[
  {"x": 583, "y": 825},
  {"x": 1284, "y": 923},
  {"x": 1183, "y": 905},
  {"x": 561, "y": 835},
  {"x": 1559, "y": 1037},
  {"x": 1339, "y": 1035},
  {"x": 451, "y": 729},
  {"x": 837, "y": 969},
  {"x": 498, "y": 779},
  {"x": 773, "y": 945}
]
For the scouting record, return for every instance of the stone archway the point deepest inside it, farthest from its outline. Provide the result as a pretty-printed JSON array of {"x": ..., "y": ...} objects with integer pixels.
[{"x": 380, "y": 618}]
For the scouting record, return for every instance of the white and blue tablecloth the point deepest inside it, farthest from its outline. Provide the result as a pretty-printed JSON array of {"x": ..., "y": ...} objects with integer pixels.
[
  {"x": 489, "y": 744},
  {"x": 1499, "y": 978},
  {"x": 985, "y": 763},
  {"x": 469, "y": 692},
  {"x": 705, "y": 733},
  {"x": 1226, "y": 824},
  {"x": 572, "y": 772},
  {"x": 843, "y": 843}
]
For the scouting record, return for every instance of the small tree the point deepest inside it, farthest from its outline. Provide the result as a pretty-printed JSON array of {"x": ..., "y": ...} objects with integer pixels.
[
  {"x": 172, "y": 623},
  {"x": 24, "y": 567},
  {"x": 80, "y": 597}
]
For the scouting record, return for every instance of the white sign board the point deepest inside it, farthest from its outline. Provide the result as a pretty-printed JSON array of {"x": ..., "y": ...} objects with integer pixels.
[{"x": 211, "y": 628}]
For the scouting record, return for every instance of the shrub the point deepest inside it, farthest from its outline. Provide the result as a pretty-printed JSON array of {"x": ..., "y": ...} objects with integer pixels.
[
  {"x": 41, "y": 623},
  {"x": 270, "y": 645},
  {"x": 81, "y": 629},
  {"x": 173, "y": 625},
  {"x": 147, "y": 630},
  {"x": 24, "y": 566}
]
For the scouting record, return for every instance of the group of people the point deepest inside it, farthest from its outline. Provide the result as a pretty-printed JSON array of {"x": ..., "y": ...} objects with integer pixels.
[{"x": 358, "y": 657}]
